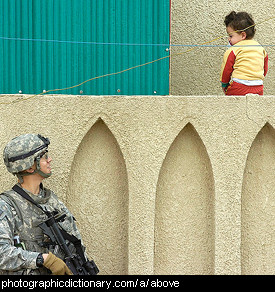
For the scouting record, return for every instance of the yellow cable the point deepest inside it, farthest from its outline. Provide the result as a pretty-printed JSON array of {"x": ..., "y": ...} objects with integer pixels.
[{"x": 128, "y": 69}]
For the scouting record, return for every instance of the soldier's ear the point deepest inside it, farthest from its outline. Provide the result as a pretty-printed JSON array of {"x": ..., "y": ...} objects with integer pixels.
[{"x": 31, "y": 169}]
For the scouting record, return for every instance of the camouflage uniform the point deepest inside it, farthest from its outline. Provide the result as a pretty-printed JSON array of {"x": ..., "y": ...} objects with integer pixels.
[
  {"x": 19, "y": 217},
  {"x": 15, "y": 260}
]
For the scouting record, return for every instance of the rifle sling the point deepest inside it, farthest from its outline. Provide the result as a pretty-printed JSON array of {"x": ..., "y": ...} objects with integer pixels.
[{"x": 21, "y": 192}]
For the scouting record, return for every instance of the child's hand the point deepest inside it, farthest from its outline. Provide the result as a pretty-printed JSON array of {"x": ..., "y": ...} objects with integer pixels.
[{"x": 225, "y": 87}]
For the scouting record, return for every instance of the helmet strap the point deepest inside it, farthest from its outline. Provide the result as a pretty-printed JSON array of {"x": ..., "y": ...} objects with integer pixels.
[
  {"x": 20, "y": 176},
  {"x": 43, "y": 174}
]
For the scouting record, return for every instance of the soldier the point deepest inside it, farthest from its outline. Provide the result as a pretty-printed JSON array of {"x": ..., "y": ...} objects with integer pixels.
[{"x": 23, "y": 246}]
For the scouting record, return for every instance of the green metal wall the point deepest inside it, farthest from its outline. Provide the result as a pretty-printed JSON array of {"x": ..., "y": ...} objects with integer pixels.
[{"x": 54, "y": 44}]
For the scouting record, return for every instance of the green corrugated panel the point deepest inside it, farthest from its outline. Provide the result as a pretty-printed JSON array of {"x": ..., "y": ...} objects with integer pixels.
[{"x": 52, "y": 44}]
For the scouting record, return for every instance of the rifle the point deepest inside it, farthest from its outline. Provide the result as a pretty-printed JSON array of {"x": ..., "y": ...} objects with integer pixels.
[{"x": 77, "y": 263}]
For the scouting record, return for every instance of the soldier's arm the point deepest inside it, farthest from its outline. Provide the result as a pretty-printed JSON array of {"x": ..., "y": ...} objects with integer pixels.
[{"x": 12, "y": 258}]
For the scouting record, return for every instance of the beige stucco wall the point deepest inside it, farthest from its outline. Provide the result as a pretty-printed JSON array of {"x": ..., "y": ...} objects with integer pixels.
[
  {"x": 181, "y": 184},
  {"x": 161, "y": 185},
  {"x": 199, "y": 21}
]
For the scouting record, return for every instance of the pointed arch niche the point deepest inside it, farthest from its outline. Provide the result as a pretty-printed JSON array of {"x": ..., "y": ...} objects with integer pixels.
[
  {"x": 98, "y": 197},
  {"x": 184, "y": 221},
  {"x": 258, "y": 205}
]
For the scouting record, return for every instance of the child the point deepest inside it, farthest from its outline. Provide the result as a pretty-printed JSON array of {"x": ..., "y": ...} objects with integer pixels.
[{"x": 245, "y": 64}]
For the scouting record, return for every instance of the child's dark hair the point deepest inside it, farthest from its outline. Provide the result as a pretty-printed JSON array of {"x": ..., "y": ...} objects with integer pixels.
[{"x": 241, "y": 21}]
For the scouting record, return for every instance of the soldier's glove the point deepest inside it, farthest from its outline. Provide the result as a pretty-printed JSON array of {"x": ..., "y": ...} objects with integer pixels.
[{"x": 56, "y": 265}]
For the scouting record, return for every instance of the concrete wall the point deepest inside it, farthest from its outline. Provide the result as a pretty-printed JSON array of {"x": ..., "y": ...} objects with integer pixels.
[
  {"x": 199, "y": 21},
  {"x": 160, "y": 185}
]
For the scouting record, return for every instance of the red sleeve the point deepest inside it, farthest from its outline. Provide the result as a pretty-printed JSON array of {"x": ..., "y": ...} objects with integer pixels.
[
  {"x": 227, "y": 67},
  {"x": 265, "y": 64}
]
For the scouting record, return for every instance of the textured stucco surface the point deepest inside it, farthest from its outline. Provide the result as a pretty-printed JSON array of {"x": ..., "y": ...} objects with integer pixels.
[
  {"x": 176, "y": 184},
  {"x": 181, "y": 184},
  {"x": 197, "y": 22}
]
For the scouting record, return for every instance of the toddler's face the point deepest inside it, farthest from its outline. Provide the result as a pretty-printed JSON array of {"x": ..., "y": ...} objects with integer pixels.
[{"x": 234, "y": 37}]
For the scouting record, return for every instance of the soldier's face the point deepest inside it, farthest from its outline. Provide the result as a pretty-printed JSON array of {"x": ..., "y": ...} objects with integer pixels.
[{"x": 45, "y": 163}]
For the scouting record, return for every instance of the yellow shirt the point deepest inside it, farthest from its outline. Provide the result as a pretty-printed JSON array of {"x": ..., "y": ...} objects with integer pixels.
[{"x": 246, "y": 60}]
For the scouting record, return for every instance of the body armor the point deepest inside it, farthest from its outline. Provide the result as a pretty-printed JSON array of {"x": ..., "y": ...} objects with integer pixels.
[{"x": 25, "y": 221}]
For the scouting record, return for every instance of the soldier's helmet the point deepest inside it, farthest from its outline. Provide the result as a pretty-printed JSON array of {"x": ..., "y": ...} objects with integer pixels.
[{"x": 22, "y": 151}]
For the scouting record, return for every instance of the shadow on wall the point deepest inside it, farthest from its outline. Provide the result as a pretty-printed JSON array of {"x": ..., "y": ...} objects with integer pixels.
[
  {"x": 184, "y": 222},
  {"x": 258, "y": 203},
  {"x": 98, "y": 197}
]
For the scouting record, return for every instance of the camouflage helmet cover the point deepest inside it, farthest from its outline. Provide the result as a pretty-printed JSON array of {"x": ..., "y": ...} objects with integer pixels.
[{"x": 21, "y": 152}]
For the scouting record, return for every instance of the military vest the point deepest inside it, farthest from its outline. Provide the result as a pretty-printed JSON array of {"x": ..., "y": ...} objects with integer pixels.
[{"x": 27, "y": 219}]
